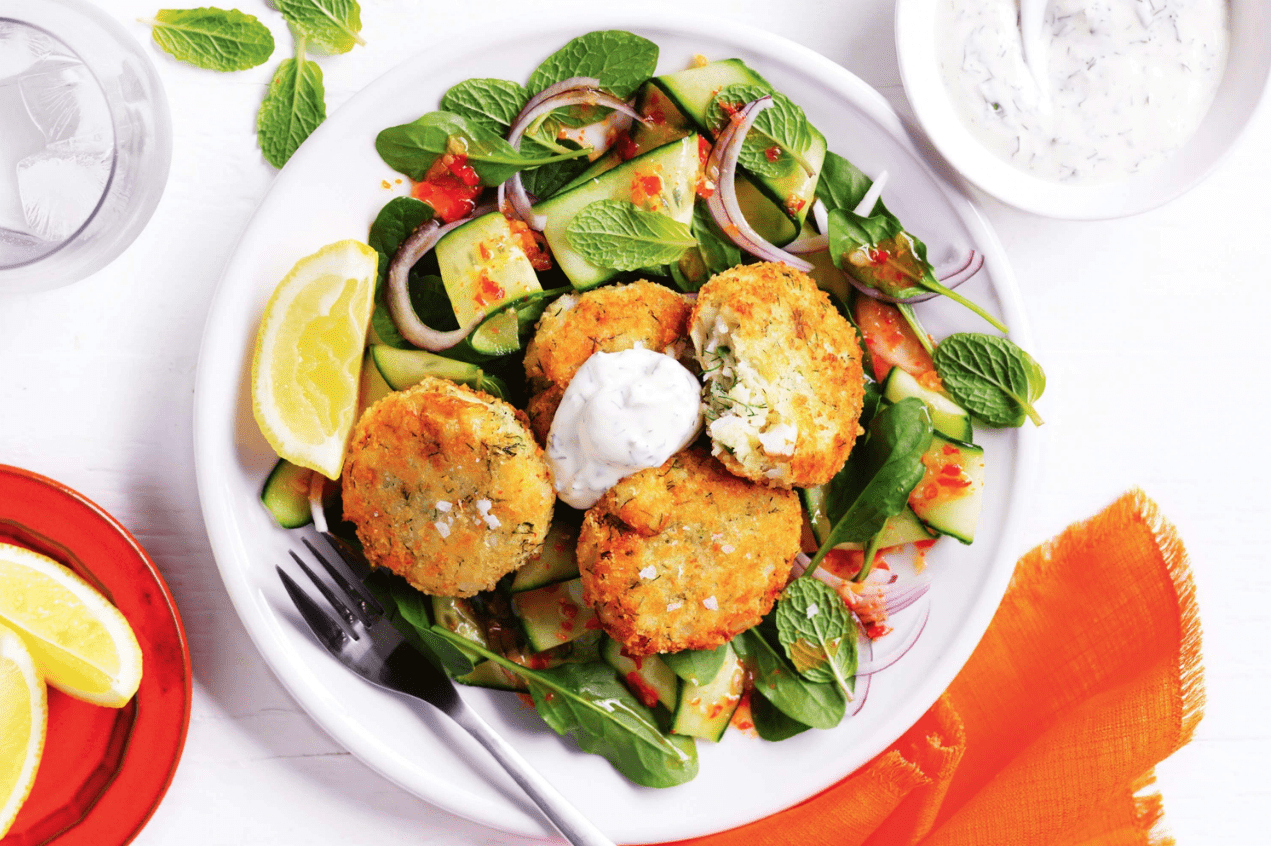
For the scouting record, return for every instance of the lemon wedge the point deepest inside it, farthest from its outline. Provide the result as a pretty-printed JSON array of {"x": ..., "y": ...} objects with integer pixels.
[
  {"x": 81, "y": 642},
  {"x": 23, "y": 718},
  {"x": 309, "y": 355}
]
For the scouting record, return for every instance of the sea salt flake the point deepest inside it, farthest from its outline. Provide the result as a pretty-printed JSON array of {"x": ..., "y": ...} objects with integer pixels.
[
  {"x": 710, "y": 603},
  {"x": 443, "y": 529},
  {"x": 442, "y": 505},
  {"x": 674, "y": 606},
  {"x": 649, "y": 572},
  {"x": 812, "y": 610}
]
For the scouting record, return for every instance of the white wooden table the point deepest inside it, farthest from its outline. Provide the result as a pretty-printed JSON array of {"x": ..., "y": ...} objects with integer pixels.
[{"x": 1152, "y": 331}]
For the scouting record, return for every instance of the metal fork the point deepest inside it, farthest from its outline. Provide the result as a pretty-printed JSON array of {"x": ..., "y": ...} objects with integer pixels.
[{"x": 369, "y": 645}]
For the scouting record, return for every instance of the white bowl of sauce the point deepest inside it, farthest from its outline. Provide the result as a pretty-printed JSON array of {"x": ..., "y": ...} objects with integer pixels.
[{"x": 1140, "y": 99}]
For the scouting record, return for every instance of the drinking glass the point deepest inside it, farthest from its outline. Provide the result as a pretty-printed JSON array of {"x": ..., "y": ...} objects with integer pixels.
[{"x": 85, "y": 142}]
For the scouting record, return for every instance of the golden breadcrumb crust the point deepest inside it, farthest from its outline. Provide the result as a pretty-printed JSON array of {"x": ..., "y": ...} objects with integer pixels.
[
  {"x": 447, "y": 487},
  {"x": 686, "y": 555},
  {"x": 783, "y": 373}
]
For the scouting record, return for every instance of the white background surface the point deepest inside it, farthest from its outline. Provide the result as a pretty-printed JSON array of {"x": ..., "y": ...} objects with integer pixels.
[{"x": 1151, "y": 330}]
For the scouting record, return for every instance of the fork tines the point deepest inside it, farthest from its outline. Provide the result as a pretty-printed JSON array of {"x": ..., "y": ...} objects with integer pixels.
[{"x": 356, "y": 606}]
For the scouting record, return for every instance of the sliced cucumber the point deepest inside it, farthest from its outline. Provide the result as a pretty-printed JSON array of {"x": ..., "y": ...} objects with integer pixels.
[
  {"x": 555, "y": 562},
  {"x": 494, "y": 676},
  {"x": 947, "y": 417},
  {"x": 456, "y": 615},
  {"x": 286, "y": 494},
  {"x": 704, "y": 710},
  {"x": 649, "y": 678},
  {"x": 483, "y": 265},
  {"x": 554, "y": 615},
  {"x": 789, "y": 195},
  {"x": 949, "y": 502},
  {"x": 403, "y": 368},
  {"x": 372, "y": 386},
  {"x": 675, "y": 165}
]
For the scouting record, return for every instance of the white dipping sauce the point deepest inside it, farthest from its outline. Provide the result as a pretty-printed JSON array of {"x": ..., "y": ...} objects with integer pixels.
[
  {"x": 1128, "y": 81},
  {"x": 621, "y": 413}
]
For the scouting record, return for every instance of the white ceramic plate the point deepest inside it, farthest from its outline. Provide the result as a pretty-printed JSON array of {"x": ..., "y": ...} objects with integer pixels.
[{"x": 332, "y": 189}]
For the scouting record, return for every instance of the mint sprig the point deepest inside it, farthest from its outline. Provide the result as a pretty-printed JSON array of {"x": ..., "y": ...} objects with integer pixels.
[
  {"x": 211, "y": 38},
  {"x": 292, "y": 109},
  {"x": 991, "y": 377},
  {"x": 331, "y": 24},
  {"x": 622, "y": 61},
  {"x": 623, "y": 236},
  {"x": 817, "y": 633}
]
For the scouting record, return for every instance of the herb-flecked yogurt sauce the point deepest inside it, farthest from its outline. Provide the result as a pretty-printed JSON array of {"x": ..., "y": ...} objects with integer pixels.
[
  {"x": 622, "y": 412},
  {"x": 1127, "y": 82}
]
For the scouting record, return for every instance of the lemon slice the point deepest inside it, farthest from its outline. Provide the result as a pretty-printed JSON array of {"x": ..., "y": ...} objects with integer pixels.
[
  {"x": 309, "y": 355},
  {"x": 23, "y": 718},
  {"x": 81, "y": 642}
]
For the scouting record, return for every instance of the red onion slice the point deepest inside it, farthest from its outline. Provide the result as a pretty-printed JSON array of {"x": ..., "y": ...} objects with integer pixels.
[
  {"x": 581, "y": 91},
  {"x": 877, "y": 662},
  {"x": 400, "y": 309},
  {"x": 721, "y": 169}
]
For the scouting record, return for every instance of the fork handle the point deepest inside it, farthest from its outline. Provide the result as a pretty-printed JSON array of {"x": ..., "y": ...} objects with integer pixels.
[{"x": 575, "y": 827}]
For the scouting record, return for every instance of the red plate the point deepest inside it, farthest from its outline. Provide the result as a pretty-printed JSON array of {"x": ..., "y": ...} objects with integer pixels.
[{"x": 104, "y": 770}]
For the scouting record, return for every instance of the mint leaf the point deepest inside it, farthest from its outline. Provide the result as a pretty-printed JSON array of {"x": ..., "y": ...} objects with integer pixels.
[
  {"x": 622, "y": 61},
  {"x": 292, "y": 109},
  {"x": 991, "y": 377},
  {"x": 411, "y": 148},
  {"x": 876, "y": 481},
  {"x": 215, "y": 39},
  {"x": 492, "y": 103},
  {"x": 817, "y": 632},
  {"x": 331, "y": 24},
  {"x": 620, "y": 235},
  {"x": 781, "y": 133}
]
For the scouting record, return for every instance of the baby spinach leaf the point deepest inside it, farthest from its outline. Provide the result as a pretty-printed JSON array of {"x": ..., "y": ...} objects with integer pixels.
[
  {"x": 331, "y": 24},
  {"x": 621, "y": 235},
  {"x": 411, "y": 148},
  {"x": 407, "y": 609},
  {"x": 492, "y": 103},
  {"x": 991, "y": 377},
  {"x": 842, "y": 185},
  {"x": 588, "y": 701},
  {"x": 817, "y": 632},
  {"x": 697, "y": 666},
  {"x": 774, "y": 145},
  {"x": 771, "y": 723},
  {"x": 880, "y": 474},
  {"x": 816, "y": 705},
  {"x": 292, "y": 109},
  {"x": 215, "y": 39},
  {"x": 622, "y": 61},
  {"x": 546, "y": 180}
]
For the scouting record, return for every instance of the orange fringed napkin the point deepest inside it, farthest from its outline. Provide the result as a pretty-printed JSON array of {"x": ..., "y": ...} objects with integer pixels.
[{"x": 1087, "y": 677}]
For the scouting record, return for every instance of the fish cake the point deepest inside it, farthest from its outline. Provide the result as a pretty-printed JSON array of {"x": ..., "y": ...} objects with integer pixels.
[
  {"x": 686, "y": 555},
  {"x": 784, "y": 382},
  {"x": 447, "y": 487},
  {"x": 608, "y": 319}
]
